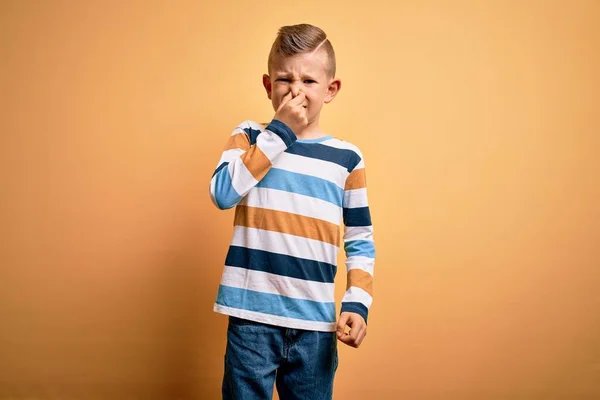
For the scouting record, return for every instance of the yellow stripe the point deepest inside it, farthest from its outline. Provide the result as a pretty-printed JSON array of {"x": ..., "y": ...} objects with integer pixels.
[
  {"x": 356, "y": 180},
  {"x": 360, "y": 279},
  {"x": 257, "y": 162},
  {"x": 237, "y": 141},
  {"x": 284, "y": 222}
]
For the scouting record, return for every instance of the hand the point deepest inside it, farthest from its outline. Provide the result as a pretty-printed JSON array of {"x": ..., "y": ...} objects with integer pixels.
[
  {"x": 292, "y": 112},
  {"x": 358, "y": 329}
]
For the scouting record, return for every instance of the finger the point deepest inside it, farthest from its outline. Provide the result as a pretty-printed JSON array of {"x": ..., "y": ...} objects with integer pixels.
[
  {"x": 285, "y": 99},
  {"x": 355, "y": 329},
  {"x": 299, "y": 99},
  {"x": 361, "y": 336},
  {"x": 346, "y": 339},
  {"x": 341, "y": 325}
]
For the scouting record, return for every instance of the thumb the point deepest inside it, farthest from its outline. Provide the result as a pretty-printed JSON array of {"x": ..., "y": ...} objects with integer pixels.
[{"x": 341, "y": 325}]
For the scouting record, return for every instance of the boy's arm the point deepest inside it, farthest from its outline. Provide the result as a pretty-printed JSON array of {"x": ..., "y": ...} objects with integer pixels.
[
  {"x": 243, "y": 165},
  {"x": 360, "y": 257}
]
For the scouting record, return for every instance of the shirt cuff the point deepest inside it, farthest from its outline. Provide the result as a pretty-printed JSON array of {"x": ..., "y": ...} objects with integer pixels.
[
  {"x": 283, "y": 131},
  {"x": 357, "y": 308}
]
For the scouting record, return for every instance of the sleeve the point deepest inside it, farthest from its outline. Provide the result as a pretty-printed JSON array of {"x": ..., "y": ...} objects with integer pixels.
[
  {"x": 358, "y": 243},
  {"x": 246, "y": 159}
]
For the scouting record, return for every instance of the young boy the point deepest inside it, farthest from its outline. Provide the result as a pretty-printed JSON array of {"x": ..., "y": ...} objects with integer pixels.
[{"x": 292, "y": 185}]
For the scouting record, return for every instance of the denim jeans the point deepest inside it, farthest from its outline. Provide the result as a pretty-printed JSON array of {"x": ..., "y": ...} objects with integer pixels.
[{"x": 300, "y": 363}]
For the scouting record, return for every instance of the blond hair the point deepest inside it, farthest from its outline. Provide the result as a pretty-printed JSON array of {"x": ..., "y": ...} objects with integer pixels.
[{"x": 298, "y": 39}]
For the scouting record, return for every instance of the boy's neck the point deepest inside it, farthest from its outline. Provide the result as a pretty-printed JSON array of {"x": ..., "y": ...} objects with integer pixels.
[{"x": 312, "y": 131}]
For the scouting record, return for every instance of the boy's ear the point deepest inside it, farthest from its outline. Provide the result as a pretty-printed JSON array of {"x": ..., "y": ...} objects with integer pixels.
[
  {"x": 267, "y": 84},
  {"x": 332, "y": 90}
]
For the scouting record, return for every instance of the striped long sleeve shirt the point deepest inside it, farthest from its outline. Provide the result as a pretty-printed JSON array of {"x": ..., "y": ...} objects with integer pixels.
[{"x": 291, "y": 198}]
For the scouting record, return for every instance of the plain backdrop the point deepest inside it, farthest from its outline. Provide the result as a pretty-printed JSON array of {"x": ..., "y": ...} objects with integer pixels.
[{"x": 479, "y": 125}]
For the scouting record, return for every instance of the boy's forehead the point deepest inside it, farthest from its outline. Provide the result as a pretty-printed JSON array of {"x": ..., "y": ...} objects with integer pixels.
[{"x": 314, "y": 62}]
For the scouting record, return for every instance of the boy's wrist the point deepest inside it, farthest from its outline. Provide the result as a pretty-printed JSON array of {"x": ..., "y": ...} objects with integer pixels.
[{"x": 355, "y": 307}]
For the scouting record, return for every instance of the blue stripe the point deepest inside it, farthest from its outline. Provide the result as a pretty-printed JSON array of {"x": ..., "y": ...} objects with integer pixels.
[
  {"x": 355, "y": 307},
  {"x": 252, "y": 134},
  {"x": 359, "y": 216},
  {"x": 346, "y": 158},
  {"x": 280, "y": 264},
  {"x": 364, "y": 248},
  {"x": 274, "y": 304},
  {"x": 220, "y": 167},
  {"x": 225, "y": 195},
  {"x": 303, "y": 184}
]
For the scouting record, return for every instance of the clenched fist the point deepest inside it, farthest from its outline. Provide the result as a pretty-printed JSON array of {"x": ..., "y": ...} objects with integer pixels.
[
  {"x": 358, "y": 329},
  {"x": 292, "y": 112}
]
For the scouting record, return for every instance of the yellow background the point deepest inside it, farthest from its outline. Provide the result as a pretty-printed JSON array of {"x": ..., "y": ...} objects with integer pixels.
[{"x": 479, "y": 125}]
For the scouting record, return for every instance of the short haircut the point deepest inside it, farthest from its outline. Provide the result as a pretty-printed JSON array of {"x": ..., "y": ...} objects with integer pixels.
[{"x": 298, "y": 39}]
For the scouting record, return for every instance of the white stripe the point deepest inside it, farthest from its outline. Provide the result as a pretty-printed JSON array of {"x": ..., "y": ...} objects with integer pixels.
[
  {"x": 270, "y": 319},
  {"x": 248, "y": 124},
  {"x": 241, "y": 179},
  {"x": 231, "y": 154},
  {"x": 361, "y": 262},
  {"x": 357, "y": 294},
  {"x": 283, "y": 243},
  {"x": 270, "y": 144},
  {"x": 358, "y": 233},
  {"x": 265, "y": 282},
  {"x": 256, "y": 125},
  {"x": 280, "y": 200},
  {"x": 355, "y": 198},
  {"x": 329, "y": 171}
]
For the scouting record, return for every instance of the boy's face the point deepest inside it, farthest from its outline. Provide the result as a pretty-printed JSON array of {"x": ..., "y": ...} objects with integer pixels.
[{"x": 306, "y": 72}]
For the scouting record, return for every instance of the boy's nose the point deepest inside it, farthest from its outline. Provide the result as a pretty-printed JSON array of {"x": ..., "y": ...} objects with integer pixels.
[{"x": 295, "y": 88}]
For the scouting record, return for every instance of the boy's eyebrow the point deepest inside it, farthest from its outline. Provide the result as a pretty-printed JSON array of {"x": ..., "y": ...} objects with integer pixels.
[{"x": 289, "y": 74}]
